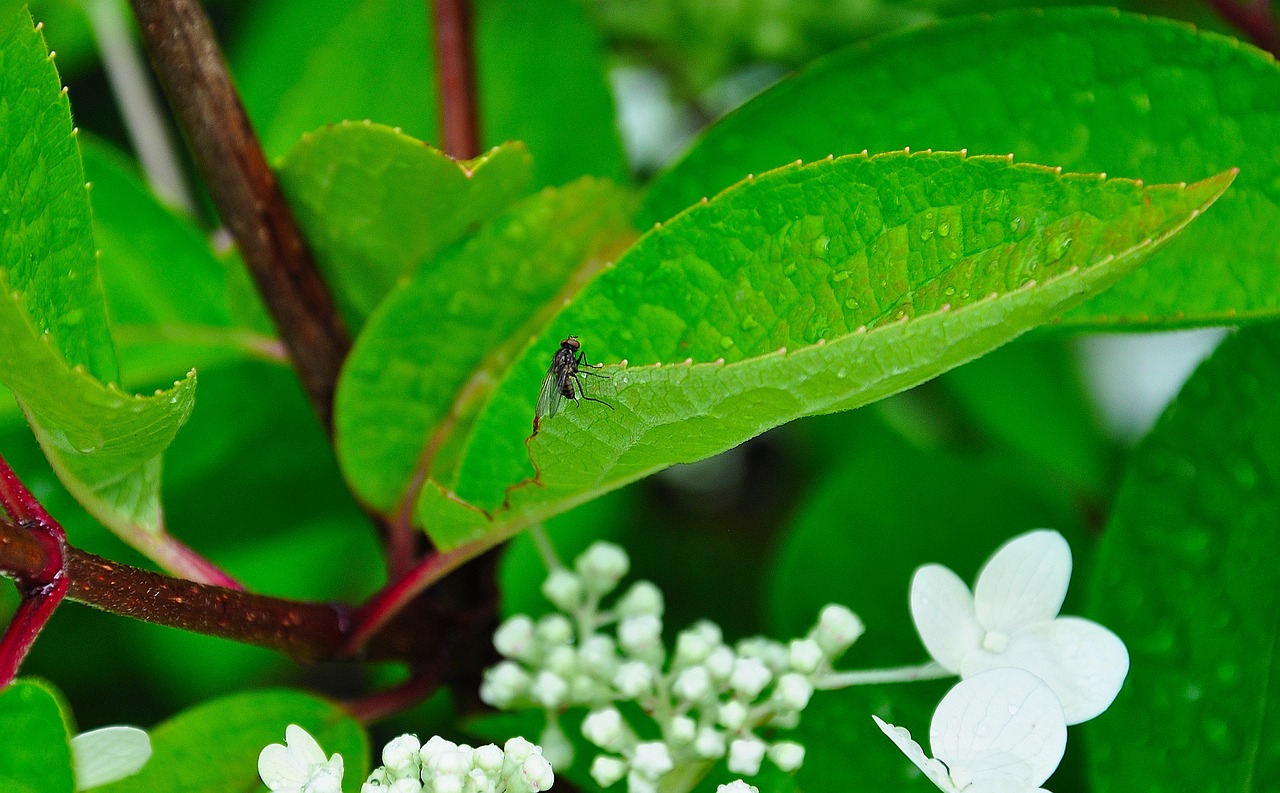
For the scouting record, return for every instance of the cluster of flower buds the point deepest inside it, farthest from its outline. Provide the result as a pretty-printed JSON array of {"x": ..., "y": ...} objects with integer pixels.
[
  {"x": 441, "y": 766},
  {"x": 708, "y": 699}
]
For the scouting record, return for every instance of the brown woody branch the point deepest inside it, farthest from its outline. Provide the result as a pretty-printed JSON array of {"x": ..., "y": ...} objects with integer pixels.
[
  {"x": 459, "y": 117},
  {"x": 186, "y": 58}
]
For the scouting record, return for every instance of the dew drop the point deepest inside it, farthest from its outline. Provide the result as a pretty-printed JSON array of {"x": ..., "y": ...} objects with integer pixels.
[
  {"x": 851, "y": 303},
  {"x": 842, "y": 373},
  {"x": 789, "y": 270},
  {"x": 949, "y": 291},
  {"x": 1016, "y": 224},
  {"x": 926, "y": 233},
  {"x": 1058, "y": 247},
  {"x": 726, "y": 342},
  {"x": 944, "y": 228},
  {"x": 749, "y": 322},
  {"x": 841, "y": 275},
  {"x": 1013, "y": 710}
]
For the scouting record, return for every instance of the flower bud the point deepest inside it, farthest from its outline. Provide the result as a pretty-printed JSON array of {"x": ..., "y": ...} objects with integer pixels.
[
  {"x": 562, "y": 659},
  {"x": 720, "y": 664},
  {"x": 640, "y": 635},
  {"x": 805, "y": 656},
  {"x": 793, "y": 691},
  {"x": 549, "y": 689},
  {"x": 602, "y": 566},
  {"x": 641, "y": 783},
  {"x": 737, "y": 786},
  {"x": 564, "y": 589},
  {"x": 733, "y": 715},
  {"x": 710, "y": 743},
  {"x": 693, "y": 646},
  {"x": 434, "y": 746},
  {"x": 405, "y": 785},
  {"x": 517, "y": 750},
  {"x": 772, "y": 654},
  {"x": 604, "y": 728},
  {"x": 503, "y": 683},
  {"x": 643, "y": 598},
  {"x": 682, "y": 730},
  {"x": 488, "y": 758},
  {"x": 598, "y": 655},
  {"x": 837, "y": 629},
  {"x": 554, "y": 630},
  {"x": 401, "y": 756},
  {"x": 651, "y": 758},
  {"x": 787, "y": 755},
  {"x": 514, "y": 638},
  {"x": 606, "y": 770},
  {"x": 745, "y": 756},
  {"x": 536, "y": 773},
  {"x": 634, "y": 679},
  {"x": 378, "y": 782},
  {"x": 439, "y": 784},
  {"x": 749, "y": 677},
  {"x": 693, "y": 684}
]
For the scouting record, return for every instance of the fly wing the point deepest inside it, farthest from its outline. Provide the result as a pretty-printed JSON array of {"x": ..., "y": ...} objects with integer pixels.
[{"x": 549, "y": 396}]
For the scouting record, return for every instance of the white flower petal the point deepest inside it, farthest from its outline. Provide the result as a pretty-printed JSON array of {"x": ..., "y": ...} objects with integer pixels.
[
  {"x": 1024, "y": 583},
  {"x": 933, "y": 769},
  {"x": 108, "y": 754},
  {"x": 1001, "y": 726},
  {"x": 282, "y": 769},
  {"x": 303, "y": 745},
  {"x": 1084, "y": 663},
  {"x": 942, "y": 609}
]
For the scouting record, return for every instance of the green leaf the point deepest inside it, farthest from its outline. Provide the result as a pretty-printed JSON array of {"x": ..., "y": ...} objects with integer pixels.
[
  {"x": 1090, "y": 90},
  {"x": 437, "y": 343},
  {"x": 1186, "y": 577},
  {"x": 214, "y": 747},
  {"x": 166, "y": 291},
  {"x": 874, "y": 274},
  {"x": 104, "y": 444},
  {"x": 45, "y": 233},
  {"x": 375, "y": 204},
  {"x": 553, "y": 98},
  {"x": 856, "y": 540},
  {"x": 36, "y": 751}
]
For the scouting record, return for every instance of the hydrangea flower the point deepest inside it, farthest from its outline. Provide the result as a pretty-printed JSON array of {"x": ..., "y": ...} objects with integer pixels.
[
  {"x": 108, "y": 754},
  {"x": 1001, "y": 731},
  {"x": 1011, "y": 620},
  {"x": 299, "y": 766}
]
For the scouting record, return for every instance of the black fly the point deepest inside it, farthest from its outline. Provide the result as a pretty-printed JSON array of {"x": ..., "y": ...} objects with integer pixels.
[{"x": 564, "y": 380}]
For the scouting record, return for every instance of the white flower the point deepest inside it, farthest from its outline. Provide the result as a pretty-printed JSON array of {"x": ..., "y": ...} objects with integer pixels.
[
  {"x": 642, "y": 598},
  {"x": 837, "y": 629},
  {"x": 793, "y": 691},
  {"x": 564, "y": 590},
  {"x": 604, "y": 728},
  {"x": 652, "y": 759},
  {"x": 787, "y": 755},
  {"x": 299, "y": 766},
  {"x": 606, "y": 770},
  {"x": 107, "y": 754},
  {"x": 737, "y": 786},
  {"x": 1001, "y": 731},
  {"x": 602, "y": 566},
  {"x": 745, "y": 756},
  {"x": 1011, "y": 620},
  {"x": 749, "y": 677}
]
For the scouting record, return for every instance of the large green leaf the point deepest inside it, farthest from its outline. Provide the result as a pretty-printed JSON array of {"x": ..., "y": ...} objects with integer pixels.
[
  {"x": 874, "y": 274},
  {"x": 213, "y": 748},
  {"x": 1187, "y": 577},
  {"x": 105, "y": 444},
  {"x": 35, "y": 740},
  {"x": 437, "y": 343},
  {"x": 1087, "y": 89},
  {"x": 44, "y": 205},
  {"x": 375, "y": 203},
  {"x": 540, "y": 74}
]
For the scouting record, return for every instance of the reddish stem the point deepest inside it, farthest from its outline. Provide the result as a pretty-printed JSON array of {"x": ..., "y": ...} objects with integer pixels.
[
  {"x": 43, "y": 585},
  {"x": 383, "y": 704},
  {"x": 388, "y": 601},
  {"x": 455, "y": 65}
]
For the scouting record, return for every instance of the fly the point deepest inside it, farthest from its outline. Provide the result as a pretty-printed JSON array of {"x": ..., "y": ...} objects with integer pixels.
[{"x": 564, "y": 380}]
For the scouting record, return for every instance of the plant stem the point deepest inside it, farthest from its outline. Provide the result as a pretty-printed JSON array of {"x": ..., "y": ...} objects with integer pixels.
[
  {"x": 189, "y": 63},
  {"x": 455, "y": 65},
  {"x": 1255, "y": 19},
  {"x": 902, "y": 674}
]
